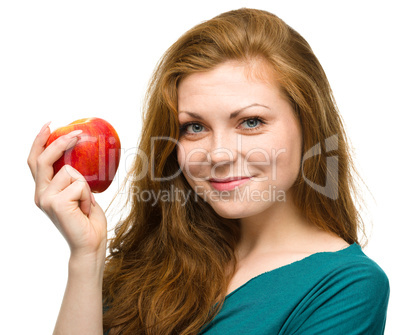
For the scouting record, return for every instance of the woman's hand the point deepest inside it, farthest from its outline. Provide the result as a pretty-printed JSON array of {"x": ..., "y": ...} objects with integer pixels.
[{"x": 66, "y": 197}]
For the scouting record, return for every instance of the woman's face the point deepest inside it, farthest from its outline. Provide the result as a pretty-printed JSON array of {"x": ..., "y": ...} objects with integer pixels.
[{"x": 234, "y": 126}]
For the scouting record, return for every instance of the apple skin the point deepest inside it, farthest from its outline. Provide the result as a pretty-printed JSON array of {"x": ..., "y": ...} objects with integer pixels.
[{"x": 96, "y": 155}]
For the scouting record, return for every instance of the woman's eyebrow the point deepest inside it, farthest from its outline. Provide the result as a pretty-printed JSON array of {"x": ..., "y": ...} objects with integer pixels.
[{"x": 232, "y": 115}]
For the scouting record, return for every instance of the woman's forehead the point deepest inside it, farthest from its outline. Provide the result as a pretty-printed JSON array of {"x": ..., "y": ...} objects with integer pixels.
[{"x": 228, "y": 76}]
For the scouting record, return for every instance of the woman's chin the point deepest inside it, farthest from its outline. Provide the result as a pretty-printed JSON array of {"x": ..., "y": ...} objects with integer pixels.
[{"x": 231, "y": 211}]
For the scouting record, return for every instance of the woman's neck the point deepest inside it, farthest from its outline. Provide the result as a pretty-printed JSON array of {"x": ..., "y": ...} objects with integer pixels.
[{"x": 282, "y": 227}]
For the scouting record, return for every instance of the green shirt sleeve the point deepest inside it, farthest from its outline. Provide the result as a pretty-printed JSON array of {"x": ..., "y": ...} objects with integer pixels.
[{"x": 351, "y": 302}]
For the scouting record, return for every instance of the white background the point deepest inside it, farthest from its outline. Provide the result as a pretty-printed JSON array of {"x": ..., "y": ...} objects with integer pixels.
[{"x": 65, "y": 60}]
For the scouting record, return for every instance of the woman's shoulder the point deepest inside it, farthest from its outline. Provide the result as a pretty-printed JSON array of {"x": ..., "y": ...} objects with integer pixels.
[
  {"x": 352, "y": 267},
  {"x": 334, "y": 255},
  {"x": 353, "y": 257}
]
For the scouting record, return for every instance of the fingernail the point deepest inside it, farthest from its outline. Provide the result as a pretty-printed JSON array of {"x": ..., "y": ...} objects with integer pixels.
[
  {"x": 72, "y": 143},
  {"x": 74, "y": 133},
  {"x": 44, "y": 127}
]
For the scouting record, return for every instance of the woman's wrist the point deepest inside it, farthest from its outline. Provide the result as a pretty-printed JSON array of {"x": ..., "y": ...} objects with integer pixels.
[{"x": 88, "y": 264}]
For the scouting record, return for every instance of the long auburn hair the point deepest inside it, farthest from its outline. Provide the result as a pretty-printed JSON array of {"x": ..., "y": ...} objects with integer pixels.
[{"x": 170, "y": 263}]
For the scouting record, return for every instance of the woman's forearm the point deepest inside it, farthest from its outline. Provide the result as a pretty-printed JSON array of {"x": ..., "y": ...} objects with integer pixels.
[{"x": 81, "y": 309}]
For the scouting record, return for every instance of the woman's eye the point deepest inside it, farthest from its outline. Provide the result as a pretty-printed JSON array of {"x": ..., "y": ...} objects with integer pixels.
[
  {"x": 251, "y": 123},
  {"x": 191, "y": 128}
]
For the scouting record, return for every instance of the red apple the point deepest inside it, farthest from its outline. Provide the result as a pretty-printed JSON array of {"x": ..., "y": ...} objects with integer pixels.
[{"x": 96, "y": 155}]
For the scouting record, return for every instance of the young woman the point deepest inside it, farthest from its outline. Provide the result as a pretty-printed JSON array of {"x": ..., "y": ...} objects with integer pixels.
[{"x": 257, "y": 231}]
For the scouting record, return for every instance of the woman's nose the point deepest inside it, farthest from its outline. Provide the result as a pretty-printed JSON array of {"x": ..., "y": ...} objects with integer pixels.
[{"x": 223, "y": 149}]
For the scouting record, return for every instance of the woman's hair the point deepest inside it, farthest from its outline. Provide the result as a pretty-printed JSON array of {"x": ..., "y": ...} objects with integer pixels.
[{"x": 170, "y": 263}]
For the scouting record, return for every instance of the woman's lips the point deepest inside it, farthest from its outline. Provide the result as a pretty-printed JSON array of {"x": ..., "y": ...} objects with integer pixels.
[{"x": 229, "y": 185}]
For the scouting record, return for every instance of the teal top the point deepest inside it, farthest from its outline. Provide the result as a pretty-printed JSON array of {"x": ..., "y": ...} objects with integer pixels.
[
  {"x": 342, "y": 292},
  {"x": 327, "y": 293}
]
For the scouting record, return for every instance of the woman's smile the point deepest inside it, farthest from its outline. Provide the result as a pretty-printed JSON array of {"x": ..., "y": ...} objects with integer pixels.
[{"x": 228, "y": 184}]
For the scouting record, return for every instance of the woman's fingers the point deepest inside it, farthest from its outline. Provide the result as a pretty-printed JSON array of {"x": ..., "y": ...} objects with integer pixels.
[
  {"x": 45, "y": 161},
  {"x": 64, "y": 179},
  {"x": 66, "y": 176},
  {"x": 79, "y": 192},
  {"x": 37, "y": 147}
]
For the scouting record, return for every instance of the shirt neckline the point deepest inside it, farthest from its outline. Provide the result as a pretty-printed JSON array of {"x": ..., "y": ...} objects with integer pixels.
[{"x": 307, "y": 258}]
